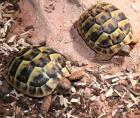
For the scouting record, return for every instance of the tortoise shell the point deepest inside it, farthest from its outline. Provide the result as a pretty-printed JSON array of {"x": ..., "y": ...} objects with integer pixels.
[
  {"x": 105, "y": 28},
  {"x": 36, "y": 71}
]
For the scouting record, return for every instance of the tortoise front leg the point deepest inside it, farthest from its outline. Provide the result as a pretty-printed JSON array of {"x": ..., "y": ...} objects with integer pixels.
[{"x": 46, "y": 104}]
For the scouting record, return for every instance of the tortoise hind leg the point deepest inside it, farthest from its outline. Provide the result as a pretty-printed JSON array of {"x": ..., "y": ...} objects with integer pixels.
[
  {"x": 133, "y": 43},
  {"x": 125, "y": 50}
]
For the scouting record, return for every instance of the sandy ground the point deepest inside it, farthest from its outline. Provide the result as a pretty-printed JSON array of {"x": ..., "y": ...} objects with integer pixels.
[
  {"x": 53, "y": 25},
  {"x": 53, "y": 21}
]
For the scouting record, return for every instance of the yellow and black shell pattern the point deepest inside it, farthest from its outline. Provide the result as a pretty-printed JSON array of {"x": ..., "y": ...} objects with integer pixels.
[
  {"x": 36, "y": 71},
  {"x": 105, "y": 28}
]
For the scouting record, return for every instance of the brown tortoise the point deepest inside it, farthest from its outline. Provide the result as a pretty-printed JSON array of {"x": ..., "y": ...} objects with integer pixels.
[{"x": 106, "y": 30}]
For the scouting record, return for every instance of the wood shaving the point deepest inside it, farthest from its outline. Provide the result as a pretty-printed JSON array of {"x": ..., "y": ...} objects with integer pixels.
[
  {"x": 2, "y": 32},
  {"x": 118, "y": 93},
  {"x": 2, "y": 39},
  {"x": 69, "y": 114},
  {"x": 109, "y": 92},
  {"x": 7, "y": 47},
  {"x": 7, "y": 25},
  {"x": 24, "y": 34},
  {"x": 79, "y": 83},
  {"x": 3, "y": 52},
  {"x": 93, "y": 98},
  {"x": 41, "y": 116},
  {"x": 102, "y": 115},
  {"x": 74, "y": 100},
  {"x": 16, "y": 94},
  {"x": 12, "y": 39},
  {"x": 129, "y": 105},
  {"x": 102, "y": 68},
  {"x": 131, "y": 78},
  {"x": 63, "y": 101},
  {"x": 73, "y": 90},
  {"x": 114, "y": 113},
  {"x": 22, "y": 42},
  {"x": 15, "y": 49},
  {"x": 106, "y": 77},
  {"x": 134, "y": 99}
]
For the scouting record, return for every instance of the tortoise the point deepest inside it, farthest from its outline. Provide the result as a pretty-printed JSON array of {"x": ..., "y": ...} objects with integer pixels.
[
  {"x": 106, "y": 30},
  {"x": 38, "y": 70}
]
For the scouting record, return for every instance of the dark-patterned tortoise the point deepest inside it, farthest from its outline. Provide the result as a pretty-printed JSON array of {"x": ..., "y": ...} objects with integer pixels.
[
  {"x": 38, "y": 70},
  {"x": 106, "y": 30}
]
